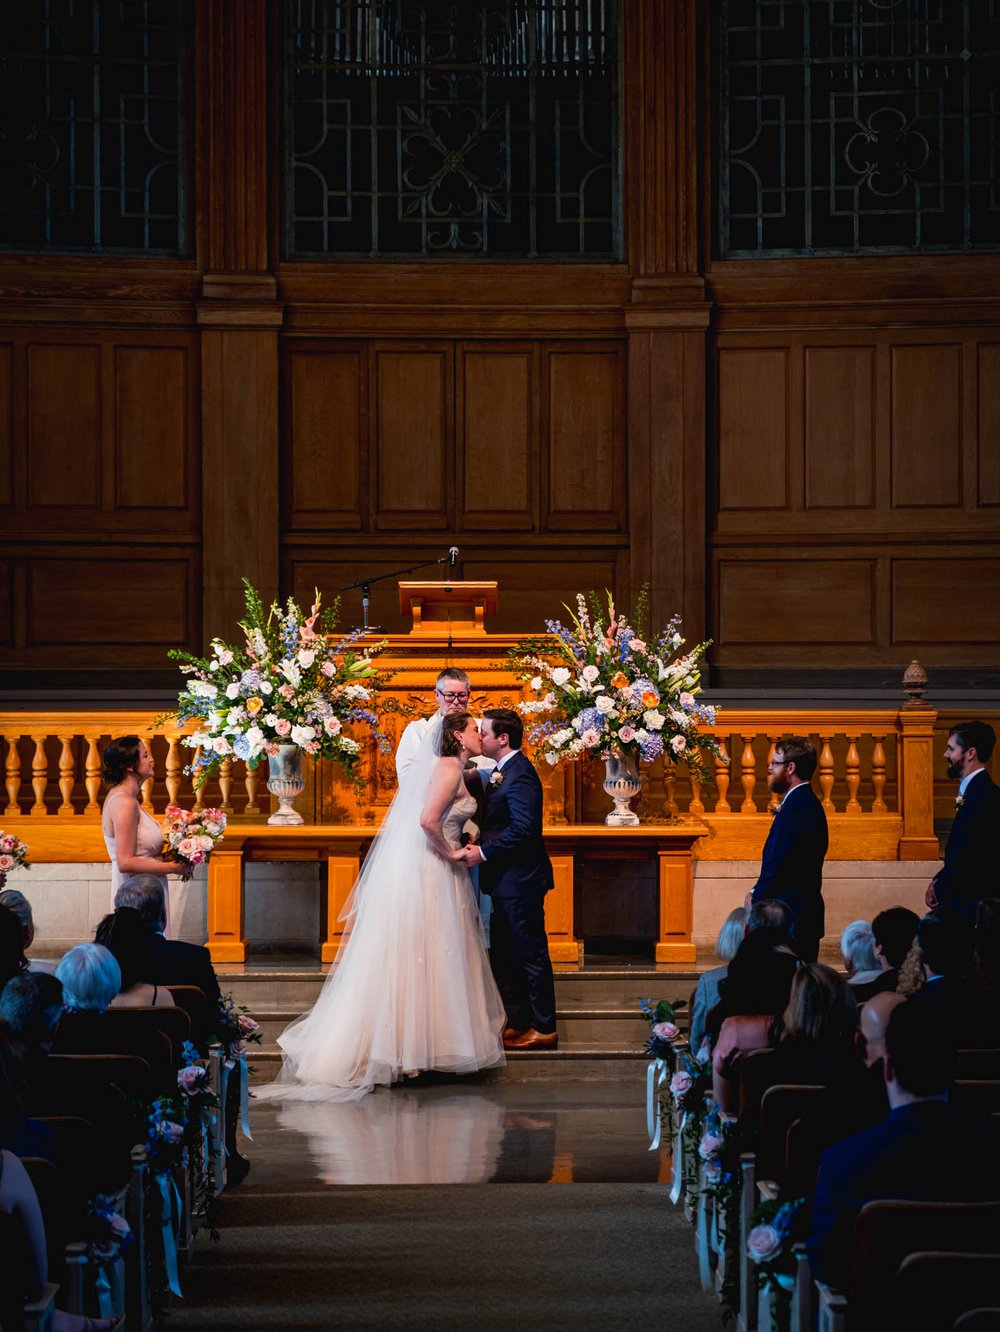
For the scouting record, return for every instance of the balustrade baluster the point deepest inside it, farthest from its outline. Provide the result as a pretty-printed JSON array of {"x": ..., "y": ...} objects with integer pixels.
[
  {"x": 722, "y": 777},
  {"x": 66, "y": 771},
  {"x": 13, "y": 771},
  {"x": 748, "y": 775},
  {"x": 826, "y": 772},
  {"x": 147, "y": 796},
  {"x": 853, "y": 774},
  {"x": 92, "y": 776},
  {"x": 199, "y": 799},
  {"x": 697, "y": 806},
  {"x": 670, "y": 806},
  {"x": 174, "y": 771},
  {"x": 226, "y": 784},
  {"x": 878, "y": 776},
  {"x": 251, "y": 782},
  {"x": 39, "y": 774}
]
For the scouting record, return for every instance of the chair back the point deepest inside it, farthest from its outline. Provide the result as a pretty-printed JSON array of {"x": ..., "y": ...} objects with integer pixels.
[
  {"x": 193, "y": 1002},
  {"x": 174, "y": 1023},
  {"x": 978, "y": 1064},
  {"x": 780, "y": 1107},
  {"x": 978, "y": 1320},
  {"x": 123, "y": 1031},
  {"x": 976, "y": 1097},
  {"x": 933, "y": 1289}
]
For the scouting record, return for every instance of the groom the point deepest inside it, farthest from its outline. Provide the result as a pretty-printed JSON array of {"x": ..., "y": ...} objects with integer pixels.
[{"x": 516, "y": 872}]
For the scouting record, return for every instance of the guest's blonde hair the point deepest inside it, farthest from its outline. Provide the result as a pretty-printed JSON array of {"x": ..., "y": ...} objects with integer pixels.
[{"x": 821, "y": 1006}]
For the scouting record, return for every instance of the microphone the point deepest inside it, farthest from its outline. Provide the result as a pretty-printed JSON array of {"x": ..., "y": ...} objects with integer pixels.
[{"x": 452, "y": 556}]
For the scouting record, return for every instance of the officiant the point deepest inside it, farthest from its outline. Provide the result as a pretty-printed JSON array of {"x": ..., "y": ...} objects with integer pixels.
[{"x": 451, "y": 690}]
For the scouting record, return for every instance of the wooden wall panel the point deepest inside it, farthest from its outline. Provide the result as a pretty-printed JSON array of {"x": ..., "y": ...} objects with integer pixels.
[
  {"x": 6, "y": 424},
  {"x": 325, "y": 437},
  {"x": 64, "y": 455},
  {"x": 753, "y": 428},
  {"x": 151, "y": 420},
  {"x": 498, "y": 437},
  {"x": 989, "y": 424},
  {"x": 413, "y": 427},
  {"x": 839, "y": 427},
  {"x": 110, "y": 603},
  {"x": 926, "y": 426},
  {"x": 6, "y": 602},
  {"x": 796, "y": 601},
  {"x": 946, "y": 600},
  {"x": 586, "y": 445}
]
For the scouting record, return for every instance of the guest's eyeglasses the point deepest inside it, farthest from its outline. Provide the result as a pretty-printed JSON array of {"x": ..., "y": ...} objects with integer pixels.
[
  {"x": 452, "y": 698},
  {"x": 778, "y": 763}
]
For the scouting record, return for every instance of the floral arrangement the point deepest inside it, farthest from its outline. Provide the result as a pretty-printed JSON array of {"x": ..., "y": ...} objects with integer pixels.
[
  {"x": 774, "y": 1229},
  {"x": 193, "y": 1080},
  {"x": 612, "y": 691},
  {"x": 13, "y": 855},
  {"x": 236, "y": 1029},
  {"x": 289, "y": 683},
  {"x": 109, "y": 1235},
  {"x": 664, "y": 1032},
  {"x": 192, "y": 837},
  {"x": 166, "y": 1135}
]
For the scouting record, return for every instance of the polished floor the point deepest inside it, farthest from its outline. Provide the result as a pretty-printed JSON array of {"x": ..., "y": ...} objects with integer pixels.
[{"x": 451, "y": 1132}]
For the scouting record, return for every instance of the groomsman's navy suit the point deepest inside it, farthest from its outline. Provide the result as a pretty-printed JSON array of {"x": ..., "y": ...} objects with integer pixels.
[
  {"x": 972, "y": 856},
  {"x": 517, "y": 873},
  {"x": 791, "y": 866}
]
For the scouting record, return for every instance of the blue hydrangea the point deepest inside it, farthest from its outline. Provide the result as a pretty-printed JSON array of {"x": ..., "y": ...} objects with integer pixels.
[
  {"x": 644, "y": 686},
  {"x": 590, "y": 719},
  {"x": 241, "y": 747},
  {"x": 651, "y": 748},
  {"x": 251, "y": 679}
]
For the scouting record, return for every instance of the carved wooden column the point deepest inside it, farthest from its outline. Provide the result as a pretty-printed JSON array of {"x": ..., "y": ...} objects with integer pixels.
[{"x": 239, "y": 314}]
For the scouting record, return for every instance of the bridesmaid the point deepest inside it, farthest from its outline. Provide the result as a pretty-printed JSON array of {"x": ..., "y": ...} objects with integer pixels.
[{"x": 132, "y": 836}]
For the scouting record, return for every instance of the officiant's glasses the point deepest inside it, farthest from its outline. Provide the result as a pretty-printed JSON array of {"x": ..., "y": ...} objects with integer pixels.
[{"x": 452, "y": 698}]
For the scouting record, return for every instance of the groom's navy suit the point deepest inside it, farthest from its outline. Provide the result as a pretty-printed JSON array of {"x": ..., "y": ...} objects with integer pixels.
[
  {"x": 517, "y": 873},
  {"x": 791, "y": 867},
  {"x": 973, "y": 851}
]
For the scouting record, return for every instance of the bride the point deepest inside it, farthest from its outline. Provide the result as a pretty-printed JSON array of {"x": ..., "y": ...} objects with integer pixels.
[{"x": 411, "y": 989}]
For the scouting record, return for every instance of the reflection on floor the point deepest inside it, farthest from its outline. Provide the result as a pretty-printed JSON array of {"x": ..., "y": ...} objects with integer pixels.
[{"x": 460, "y": 1132}]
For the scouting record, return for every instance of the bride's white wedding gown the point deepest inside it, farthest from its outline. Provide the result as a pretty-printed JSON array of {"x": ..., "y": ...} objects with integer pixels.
[{"x": 412, "y": 989}]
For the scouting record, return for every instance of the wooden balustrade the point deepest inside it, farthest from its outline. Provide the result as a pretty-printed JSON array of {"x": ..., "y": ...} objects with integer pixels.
[{"x": 875, "y": 777}]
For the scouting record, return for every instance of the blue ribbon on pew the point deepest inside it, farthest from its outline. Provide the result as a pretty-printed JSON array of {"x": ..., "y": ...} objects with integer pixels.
[
  {"x": 102, "y": 1285},
  {"x": 656, "y": 1076},
  {"x": 245, "y": 1100},
  {"x": 170, "y": 1220}
]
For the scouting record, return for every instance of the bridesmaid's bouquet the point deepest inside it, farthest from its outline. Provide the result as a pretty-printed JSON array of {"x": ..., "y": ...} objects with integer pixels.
[
  {"x": 13, "y": 855},
  {"x": 192, "y": 837}
]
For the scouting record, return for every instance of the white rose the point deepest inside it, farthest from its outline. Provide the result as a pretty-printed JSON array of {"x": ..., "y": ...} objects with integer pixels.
[
  {"x": 536, "y": 683},
  {"x": 641, "y": 734},
  {"x": 604, "y": 704},
  {"x": 590, "y": 674},
  {"x": 307, "y": 656},
  {"x": 255, "y": 737},
  {"x": 270, "y": 718},
  {"x": 234, "y": 716},
  {"x": 678, "y": 744},
  {"x": 266, "y": 688},
  {"x": 560, "y": 675},
  {"x": 221, "y": 745},
  {"x": 233, "y": 690},
  {"x": 551, "y": 758},
  {"x": 653, "y": 719},
  {"x": 332, "y": 726},
  {"x": 301, "y": 735}
]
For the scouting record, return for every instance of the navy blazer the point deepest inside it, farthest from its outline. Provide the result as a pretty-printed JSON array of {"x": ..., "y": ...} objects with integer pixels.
[
  {"x": 516, "y": 863},
  {"x": 791, "y": 865},
  {"x": 175, "y": 962},
  {"x": 911, "y": 1156},
  {"x": 973, "y": 852}
]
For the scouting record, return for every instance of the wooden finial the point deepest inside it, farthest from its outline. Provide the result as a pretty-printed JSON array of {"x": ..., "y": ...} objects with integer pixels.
[{"x": 915, "y": 685}]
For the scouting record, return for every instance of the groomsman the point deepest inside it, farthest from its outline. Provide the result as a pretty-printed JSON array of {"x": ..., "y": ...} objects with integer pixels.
[
  {"x": 971, "y": 856},
  {"x": 791, "y": 866}
]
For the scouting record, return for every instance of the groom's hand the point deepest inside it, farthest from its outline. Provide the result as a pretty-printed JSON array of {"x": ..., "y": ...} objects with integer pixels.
[{"x": 471, "y": 855}]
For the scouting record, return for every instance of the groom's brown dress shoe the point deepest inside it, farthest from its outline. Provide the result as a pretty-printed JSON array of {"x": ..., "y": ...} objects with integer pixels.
[
  {"x": 534, "y": 1040},
  {"x": 510, "y": 1034}
]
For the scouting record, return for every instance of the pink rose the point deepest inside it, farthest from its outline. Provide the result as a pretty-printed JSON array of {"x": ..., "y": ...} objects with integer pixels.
[
  {"x": 247, "y": 1025},
  {"x": 188, "y": 848},
  {"x": 328, "y": 668},
  {"x": 189, "y": 1078},
  {"x": 637, "y": 645},
  {"x": 681, "y": 1083},
  {"x": 171, "y": 1132},
  {"x": 686, "y": 700},
  {"x": 590, "y": 674},
  {"x": 286, "y": 691},
  {"x": 678, "y": 744},
  {"x": 591, "y": 737},
  {"x": 710, "y": 1146},
  {"x": 6, "y": 863},
  {"x": 332, "y": 726},
  {"x": 282, "y": 726},
  {"x": 119, "y": 1226},
  {"x": 763, "y": 1244},
  {"x": 626, "y": 734},
  {"x": 7, "y": 843},
  {"x": 665, "y": 1030},
  {"x": 270, "y": 749},
  {"x": 238, "y": 1049}
]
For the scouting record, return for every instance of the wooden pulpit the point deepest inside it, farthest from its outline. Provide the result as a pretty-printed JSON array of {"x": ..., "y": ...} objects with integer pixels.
[{"x": 448, "y": 610}]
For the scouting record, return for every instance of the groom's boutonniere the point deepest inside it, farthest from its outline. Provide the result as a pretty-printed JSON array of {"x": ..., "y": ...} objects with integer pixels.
[
  {"x": 496, "y": 777},
  {"x": 959, "y": 801},
  {"x": 773, "y": 809}
]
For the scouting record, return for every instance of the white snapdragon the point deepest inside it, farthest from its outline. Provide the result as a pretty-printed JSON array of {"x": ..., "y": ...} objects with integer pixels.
[
  {"x": 536, "y": 683},
  {"x": 202, "y": 689}
]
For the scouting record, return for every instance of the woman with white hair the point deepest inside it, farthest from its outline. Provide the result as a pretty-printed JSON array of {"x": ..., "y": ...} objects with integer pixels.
[
  {"x": 857, "y": 944},
  {"x": 706, "y": 995},
  {"x": 91, "y": 978}
]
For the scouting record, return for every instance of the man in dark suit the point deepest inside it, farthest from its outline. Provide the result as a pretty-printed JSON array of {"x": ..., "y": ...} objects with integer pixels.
[
  {"x": 515, "y": 871},
  {"x": 971, "y": 868},
  {"x": 174, "y": 962},
  {"x": 791, "y": 866},
  {"x": 912, "y": 1155}
]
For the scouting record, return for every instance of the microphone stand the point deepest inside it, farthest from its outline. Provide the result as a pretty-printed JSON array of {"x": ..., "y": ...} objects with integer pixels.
[{"x": 365, "y": 584}]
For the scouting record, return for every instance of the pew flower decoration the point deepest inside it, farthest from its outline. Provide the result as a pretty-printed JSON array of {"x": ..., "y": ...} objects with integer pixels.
[
  {"x": 775, "y": 1228},
  {"x": 192, "y": 837},
  {"x": 603, "y": 686},
  {"x": 665, "y": 1038},
  {"x": 166, "y": 1135},
  {"x": 289, "y": 683},
  {"x": 193, "y": 1079},
  {"x": 13, "y": 855},
  {"x": 109, "y": 1235},
  {"x": 236, "y": 1029}
]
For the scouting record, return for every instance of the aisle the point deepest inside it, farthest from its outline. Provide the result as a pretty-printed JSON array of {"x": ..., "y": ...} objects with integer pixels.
[{"x": 505, "y": 1206}]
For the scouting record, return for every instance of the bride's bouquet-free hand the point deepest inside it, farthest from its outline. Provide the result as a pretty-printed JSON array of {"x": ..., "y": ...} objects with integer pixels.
[
  {"x": 608, "y": 688},
  {"x": 192, "y": 837},
  {"x": 13, "y": 855},
  {"x": 289, "y": 683}
]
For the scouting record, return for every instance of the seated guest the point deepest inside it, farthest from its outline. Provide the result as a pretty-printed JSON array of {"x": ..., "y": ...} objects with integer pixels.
[
  {"x": 19, "y": 1201},
  {"x": 131, "y": 944},
  {"x": 864, "y": 971},
  {"x": 752, "y": 996},
  {"x": 706, "y": 994},
  {"x": 12, "y": 959},
  {"x": 894, "y": 929},
  {"x": 30, "y": 1007},
  {"x": 172, "y": 961},
  {"x": 910, "y": 1155},
  {"x": 90, "y": 977},
  {"x": 21, "y": 907},
  {"x": 947, "y": 950},
  {"x": 872, "y": 1023},
  {"x": 770, "y": 913},
  {"x": 18, "y": 1132},
  {"x": 816, "y": 1041}
]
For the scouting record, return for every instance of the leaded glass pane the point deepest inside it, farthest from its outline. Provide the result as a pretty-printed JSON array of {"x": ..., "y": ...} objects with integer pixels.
[
  {"x": 91, "y": 126},
  {"x": 858, "y": 126},
  {"x": 438, "y": 130}
]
